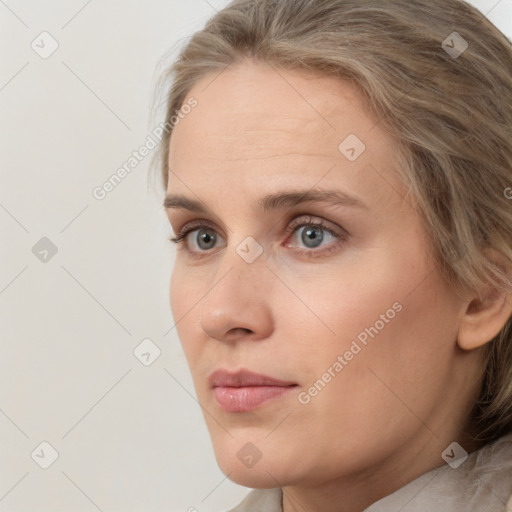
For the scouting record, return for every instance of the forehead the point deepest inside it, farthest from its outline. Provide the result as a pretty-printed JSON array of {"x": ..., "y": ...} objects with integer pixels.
[{"x": 254, "y": 122}]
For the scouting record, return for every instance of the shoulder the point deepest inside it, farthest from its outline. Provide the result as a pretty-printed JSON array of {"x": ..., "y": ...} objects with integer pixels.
[
  {"x": 261, "y": 500},
  {"x": 493, "y": 469}
]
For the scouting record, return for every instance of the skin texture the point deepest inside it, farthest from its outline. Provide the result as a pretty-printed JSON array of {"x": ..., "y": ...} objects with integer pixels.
[{"x": 387, "y": 416}]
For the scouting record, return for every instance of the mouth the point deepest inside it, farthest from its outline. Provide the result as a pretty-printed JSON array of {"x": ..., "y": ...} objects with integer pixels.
[{"x": 245, "y": 391}]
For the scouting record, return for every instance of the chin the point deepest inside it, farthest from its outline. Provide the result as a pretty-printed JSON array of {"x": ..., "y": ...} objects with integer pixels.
[
  {"x": 253, "y": 478},
  {"x": 251, "y": 466}
]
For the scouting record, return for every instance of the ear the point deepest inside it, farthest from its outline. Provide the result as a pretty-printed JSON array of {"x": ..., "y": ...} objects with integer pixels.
[{"x": 487, "y": 311}]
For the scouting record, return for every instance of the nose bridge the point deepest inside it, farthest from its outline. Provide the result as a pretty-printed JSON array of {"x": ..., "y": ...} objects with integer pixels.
[
  {"x": 242, "y": 266},
  {"x": 238, "y": 297}
]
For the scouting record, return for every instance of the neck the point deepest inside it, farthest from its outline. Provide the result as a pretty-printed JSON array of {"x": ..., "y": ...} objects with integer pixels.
[{"x": 356, "y": 493}]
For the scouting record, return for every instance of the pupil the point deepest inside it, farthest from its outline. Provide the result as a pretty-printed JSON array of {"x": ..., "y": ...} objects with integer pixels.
[
  {"x": 205, "y": 240},
  {"x": 312, "y": 236}
]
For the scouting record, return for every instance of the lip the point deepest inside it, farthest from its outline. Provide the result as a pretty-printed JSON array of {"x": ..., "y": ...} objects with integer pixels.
[{"x": 244, "y": 391}]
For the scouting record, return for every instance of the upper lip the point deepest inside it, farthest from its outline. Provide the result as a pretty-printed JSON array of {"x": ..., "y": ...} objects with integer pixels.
[{"x": 243, "y": 378}]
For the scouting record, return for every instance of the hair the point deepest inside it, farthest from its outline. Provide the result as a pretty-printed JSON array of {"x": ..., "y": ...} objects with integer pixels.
[{"x": 449, "y": 113}]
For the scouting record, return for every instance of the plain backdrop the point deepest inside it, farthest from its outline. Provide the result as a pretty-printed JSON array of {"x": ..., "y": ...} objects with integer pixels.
[{"x": 84, "y": 281}]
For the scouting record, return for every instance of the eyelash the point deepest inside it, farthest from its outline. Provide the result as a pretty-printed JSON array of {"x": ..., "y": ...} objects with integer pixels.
[{"x": 291, "y": 228}]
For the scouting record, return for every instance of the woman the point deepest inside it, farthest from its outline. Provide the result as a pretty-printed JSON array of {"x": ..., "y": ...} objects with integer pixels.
[{"x": 337, "y": 176}]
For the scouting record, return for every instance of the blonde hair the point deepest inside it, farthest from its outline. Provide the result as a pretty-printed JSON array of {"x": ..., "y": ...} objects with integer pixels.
[{"x": 448, "y": 106}]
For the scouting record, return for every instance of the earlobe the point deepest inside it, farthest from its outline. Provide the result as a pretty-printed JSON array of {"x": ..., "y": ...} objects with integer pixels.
[
  {"x": 484, "y": 318},
  {"x": 487, "y": 309}
]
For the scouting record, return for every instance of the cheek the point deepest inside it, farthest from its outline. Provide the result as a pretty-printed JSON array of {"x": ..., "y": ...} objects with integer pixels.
[
  {"x": 395, "y": 331},
  {"x": 176, "y": 292},
  {"x": 391, "y": 318},
  {"x": 339, "y": 303},
  {"x": 184, "y": 299}
]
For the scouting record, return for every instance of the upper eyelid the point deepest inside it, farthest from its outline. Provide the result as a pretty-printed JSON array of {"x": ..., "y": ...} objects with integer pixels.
[
  {"x": 324, "y": 223},
  {"x": 192, "y": 226},
  {"x": 297, "y": 220}
]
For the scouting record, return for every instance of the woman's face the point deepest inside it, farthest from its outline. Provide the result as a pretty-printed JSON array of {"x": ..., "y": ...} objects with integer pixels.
[{"x": 306, "y": 263}]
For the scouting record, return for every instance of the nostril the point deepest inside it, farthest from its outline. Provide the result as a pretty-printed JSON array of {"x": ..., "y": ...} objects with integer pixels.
[{"x": 239, "y": 330}]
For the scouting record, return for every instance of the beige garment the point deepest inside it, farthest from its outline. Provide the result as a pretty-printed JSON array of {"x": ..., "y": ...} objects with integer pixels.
[{"x": 482, "y": 483}]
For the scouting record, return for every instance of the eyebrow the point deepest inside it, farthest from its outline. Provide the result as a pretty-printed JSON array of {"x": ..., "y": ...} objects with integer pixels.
[{"x": 276, "y": 201}]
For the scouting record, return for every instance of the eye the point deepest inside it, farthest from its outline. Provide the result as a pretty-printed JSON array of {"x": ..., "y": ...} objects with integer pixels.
[
  {"x": 314, "y": 236},
  {"x": 198, "y": 239},
  {"x": 309, "y": 237}
]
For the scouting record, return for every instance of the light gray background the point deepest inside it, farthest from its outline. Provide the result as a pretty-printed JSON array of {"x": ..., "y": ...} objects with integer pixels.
[{"x": 129, "y": 437}]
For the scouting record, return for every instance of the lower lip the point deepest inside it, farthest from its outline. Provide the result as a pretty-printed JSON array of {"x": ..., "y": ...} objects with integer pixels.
[{"x": 248, "y": 398}]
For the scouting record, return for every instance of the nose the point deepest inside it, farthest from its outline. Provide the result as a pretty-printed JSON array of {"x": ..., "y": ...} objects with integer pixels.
[{"x": 237, "y": 305}]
